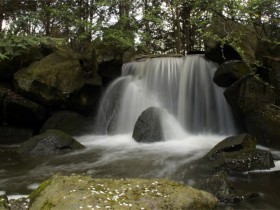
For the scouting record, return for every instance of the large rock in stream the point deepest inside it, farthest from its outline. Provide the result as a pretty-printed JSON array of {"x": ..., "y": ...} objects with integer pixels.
[
  {"x": 82, "y": 192},
  {"x": 238, "y": 154},
  {"x": 52, "y": 142},
  {"x": 148, "y": 126}
]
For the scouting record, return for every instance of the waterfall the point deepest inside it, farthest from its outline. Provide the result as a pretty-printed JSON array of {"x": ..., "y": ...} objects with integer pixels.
[{"x": 182, "y": 86}]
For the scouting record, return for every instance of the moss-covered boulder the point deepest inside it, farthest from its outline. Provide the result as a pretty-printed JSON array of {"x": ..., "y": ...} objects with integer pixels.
[
  {"x": 52, "y": 142},
  {"x": 229, "y": 72},
  {"x": 148, "y": 126},
  {"x": 77, "y": 192},
  {"x": 52, "y": 79}
]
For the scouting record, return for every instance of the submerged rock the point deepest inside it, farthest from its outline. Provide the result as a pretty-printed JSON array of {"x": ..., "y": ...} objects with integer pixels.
[
  {"x": 77, "y": 192},
  {"x": 229, "y": 72},
  {"x": 52, "y": 142},
  {"x": 220, "y": 186},
  {"x": 148, "y": 126}
]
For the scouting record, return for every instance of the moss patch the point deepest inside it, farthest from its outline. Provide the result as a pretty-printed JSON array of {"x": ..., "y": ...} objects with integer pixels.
[{"x": 77, "y": 192}]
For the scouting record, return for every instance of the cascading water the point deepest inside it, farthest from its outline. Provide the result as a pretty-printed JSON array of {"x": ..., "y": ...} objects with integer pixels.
[
  {"x": 196, "y": 118},
  {"x": 182, "y": 86}
]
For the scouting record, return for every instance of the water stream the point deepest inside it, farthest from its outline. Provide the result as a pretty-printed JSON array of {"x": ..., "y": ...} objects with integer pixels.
[{"x": 196, "y": 118}]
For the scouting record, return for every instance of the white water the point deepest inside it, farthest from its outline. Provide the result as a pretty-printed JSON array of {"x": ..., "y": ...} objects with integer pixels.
[{"x": 183, "y": 87}]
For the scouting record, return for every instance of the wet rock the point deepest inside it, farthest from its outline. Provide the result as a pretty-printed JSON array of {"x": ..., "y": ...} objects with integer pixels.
[
  {"x": 238, "y": 154},
  {"x": 264, "y": 124},
  {"x": 69, "y": 122},
  {"x": 14, "y": 135},
  {"x": 229, "y": 72},
  {"x": 19, "y": 204},
  {"x": 76, "y": 192},
  {"x": 255, "y": 103},
  {"x": 244, "y": 160},
  {"x": 232, "y": 144},
  {"x": 249, "y": 93},
  {"x": 148, "y": 126},
  {"x": 52, "y": 79},
  {"x": 219, "y": 185},
  {"x": 52, "y": 142}
]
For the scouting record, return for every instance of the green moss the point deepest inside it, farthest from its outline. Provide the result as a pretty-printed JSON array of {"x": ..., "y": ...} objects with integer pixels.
[
  {"x": 47, "y": 205},
  {"x": 38, "y": 191}
]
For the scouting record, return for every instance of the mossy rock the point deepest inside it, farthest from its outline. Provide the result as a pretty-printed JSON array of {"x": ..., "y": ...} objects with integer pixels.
[
  {"x": 76, "y": 192},
  {"x": 52, "y": 79},
  {"x": 52, "y": 142}
]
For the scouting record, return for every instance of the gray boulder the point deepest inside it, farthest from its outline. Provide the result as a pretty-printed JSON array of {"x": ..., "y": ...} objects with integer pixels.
[
  {"x": 52, "y": 142},
  {"x": 229, "y": 72},
  {"x": 148, "y": 126}
]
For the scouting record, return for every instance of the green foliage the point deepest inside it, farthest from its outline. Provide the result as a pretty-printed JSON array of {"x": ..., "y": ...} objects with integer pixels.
[
  {"x": 160, "y": 26},
  {"x": 12, "y": 45}
]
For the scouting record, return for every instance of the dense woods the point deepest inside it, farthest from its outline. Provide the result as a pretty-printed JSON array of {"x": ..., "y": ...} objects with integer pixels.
[{"x": 162, "y": 26}]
